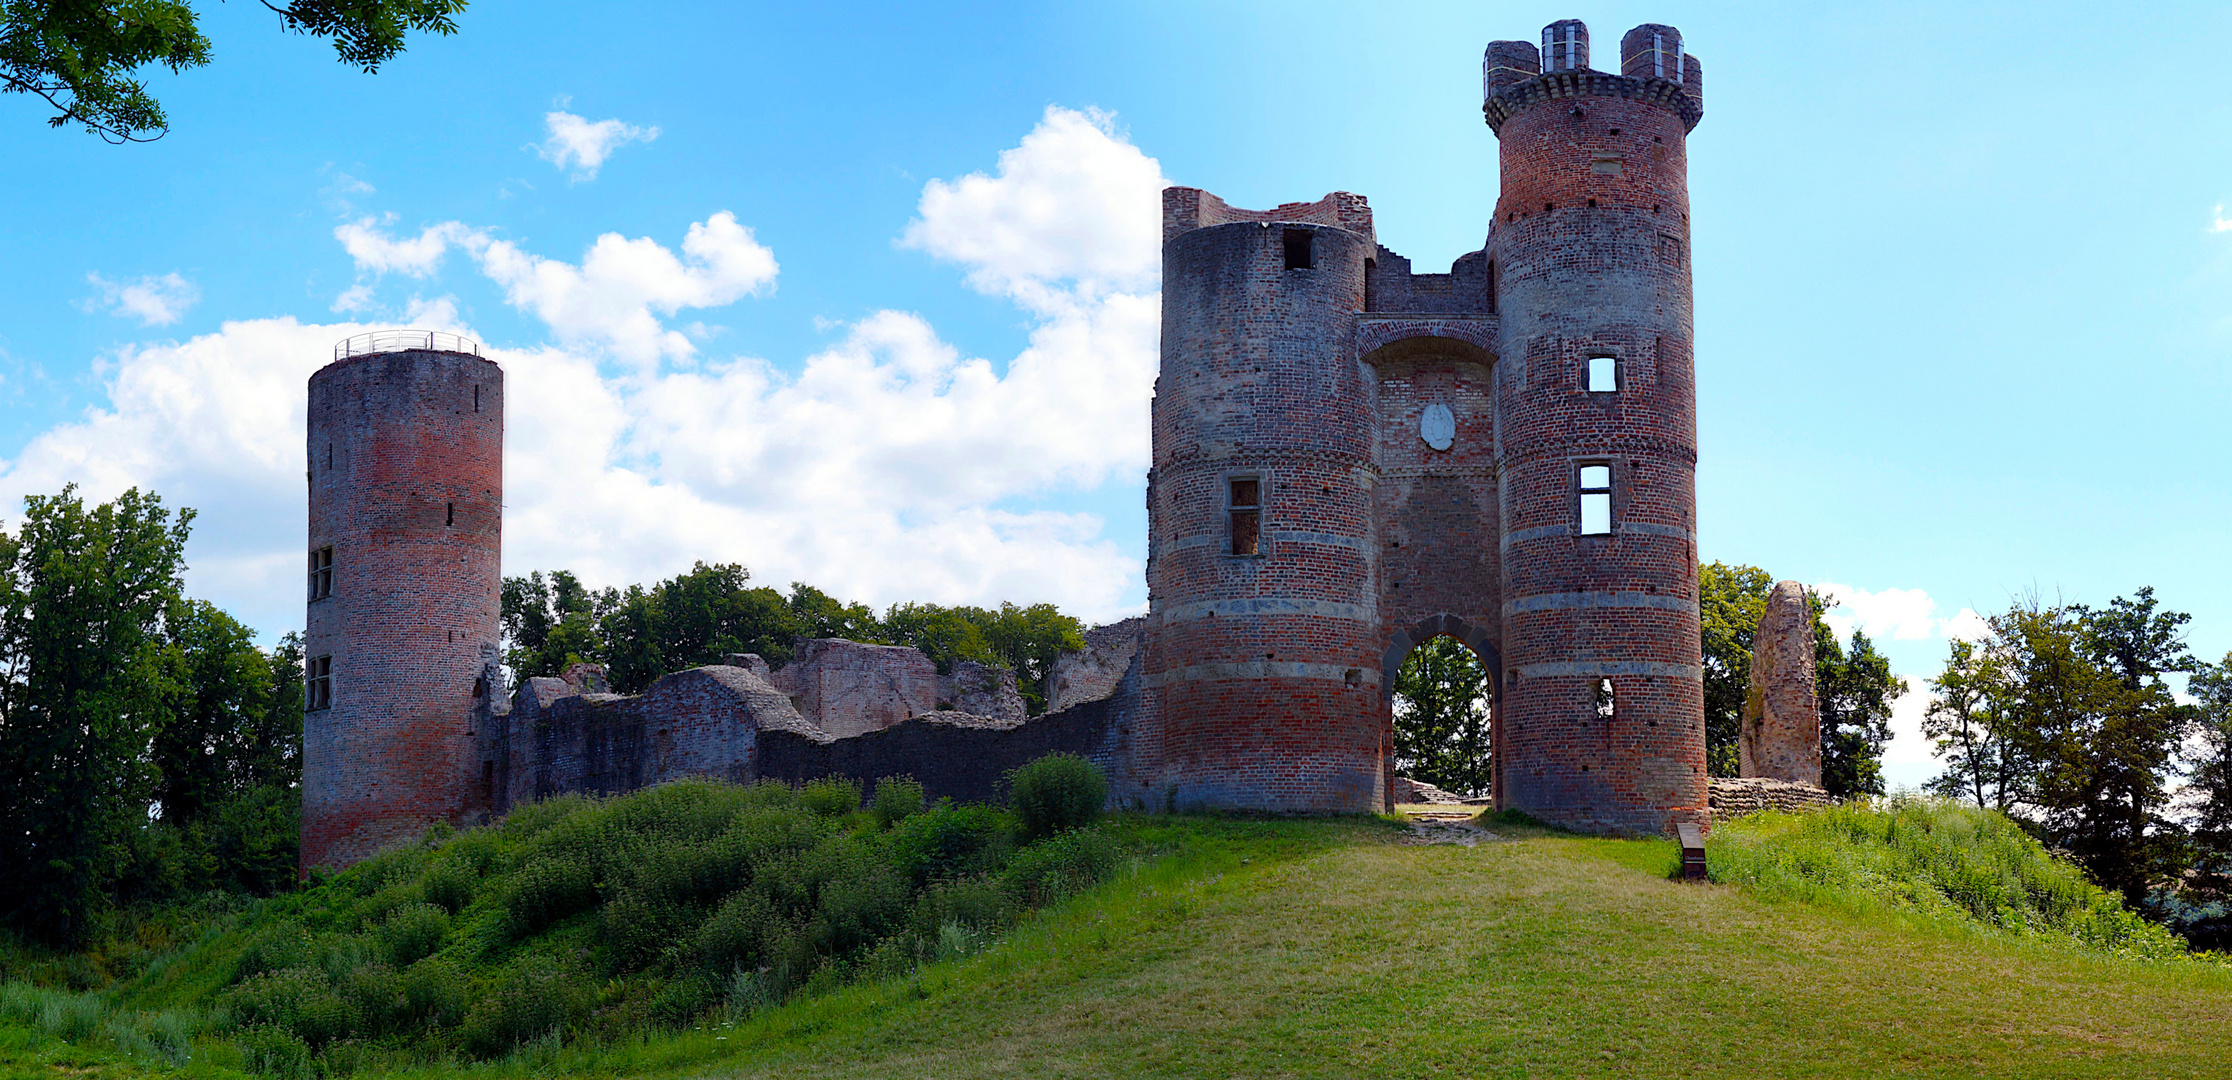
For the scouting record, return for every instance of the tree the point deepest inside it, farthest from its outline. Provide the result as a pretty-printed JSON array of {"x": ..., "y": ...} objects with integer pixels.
[
  {"x": 2209, "y": 791},
  {"x": 1441, "y": 718},
  {"x": 83, "y": 595},
  {"x": 216, "y": 738},
  {"x": 947, "y": 635},
  {"x": 80, "y": 55},
  {"x": 1965, "y": 722},
  {"x": 1029, "y": 640},
  {"x": 1731, "y": 600},
  {"x": 1855, "y": 689},
  {"x": 548, "y": 624}
]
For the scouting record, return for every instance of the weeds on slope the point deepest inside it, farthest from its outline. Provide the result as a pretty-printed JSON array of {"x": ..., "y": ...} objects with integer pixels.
[{"x": 1936, "y": 857}]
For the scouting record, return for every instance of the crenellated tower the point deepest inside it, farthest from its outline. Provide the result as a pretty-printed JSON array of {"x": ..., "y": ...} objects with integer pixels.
[
  {"x": 406, "y": 474},
  {"x": 1351, "y": 459},
  {"x": 1596, "y": 424}
]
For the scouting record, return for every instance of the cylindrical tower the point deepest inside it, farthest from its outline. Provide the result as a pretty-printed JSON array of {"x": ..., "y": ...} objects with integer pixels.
[
  {"x": 1603, "y": 708},
  {"x": 406, "y": 454},
  {"x": 1261, "y": 663}
]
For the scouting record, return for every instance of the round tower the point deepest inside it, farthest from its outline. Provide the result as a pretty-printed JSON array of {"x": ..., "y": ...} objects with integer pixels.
[
  {"x": 1261, "y": 664},
  {"x": 1603, "y": 707},
  {"x": 406, "y": 443}
]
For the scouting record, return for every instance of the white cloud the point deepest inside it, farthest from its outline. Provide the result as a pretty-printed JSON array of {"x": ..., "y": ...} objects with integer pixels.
[
  {"x": 377, "y": 253},
  {"x": 581, "y": 145},
  {"x": 1075, "y": 210},
  {"x": 887, "y": 466},
  {"x": 1894, "y": 614},
  {"x": 153, "y": 300},
  {"x": 614, "y": 298},
  {"x": 2220, "y": 223}
]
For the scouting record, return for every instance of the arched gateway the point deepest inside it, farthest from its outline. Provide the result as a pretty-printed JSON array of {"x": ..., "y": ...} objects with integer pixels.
[{"x": 1350, "y": 458}]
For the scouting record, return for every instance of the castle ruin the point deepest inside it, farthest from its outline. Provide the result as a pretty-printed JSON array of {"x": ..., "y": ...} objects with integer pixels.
[{"x": 1349, "y": 459}]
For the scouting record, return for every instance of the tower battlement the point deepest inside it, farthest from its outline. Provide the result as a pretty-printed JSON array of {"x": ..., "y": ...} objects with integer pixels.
[
  {"x": 1516, "y": 75},
  {"x": 1186, "y": 209}
]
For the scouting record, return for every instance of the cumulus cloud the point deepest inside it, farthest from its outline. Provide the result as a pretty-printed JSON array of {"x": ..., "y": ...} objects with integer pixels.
[
  {"x": 889, "y": 465},
  {"x": 153, "y": 300},
  {"x": 1893, "y": 614},
  {"x": 582, "y": 145},
  {"x": 377, "y": 253},
  {"x": 1074, "y": 210},
  {"x": 613, "y": 299},
  {"x": 2220, "y": 223}
]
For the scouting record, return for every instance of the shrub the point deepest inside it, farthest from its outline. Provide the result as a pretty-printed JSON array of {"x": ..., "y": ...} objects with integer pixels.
[
  {"x": 1056, "y": 793},
  {"x": 434, "y": 992},
  {"x": 897, "y": 798},
  {"x": 1060, "y": 866},
  {"x": 547, "y": 889},
  {"x": 274, "y": 1051},
  {"x": 413, "y": 932},
  {"x": 534, "y": 997},
  {"x": 949, "y": 842},
  {"x": 450, "y": 884},
  {"x": 737, "y": 936},
  {"x": 830, "y": 796},
  {"x": 300, "y": 1000}
]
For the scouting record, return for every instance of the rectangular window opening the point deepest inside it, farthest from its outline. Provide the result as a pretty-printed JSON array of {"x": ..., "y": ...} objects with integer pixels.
[
  {"x": 1604, "y": 699},
  {"x": 1604, "y": 374},
  {"x": 1298, "y": 249},
  {"x": 1246, "y": 513},
  {"x": 321, "y": 573},
  {"x": 318, "y": 673},
  {"x": 1596, "y": 500},
  {"x": 476, "y": 397},
  {"x": 451, "y": 517}
]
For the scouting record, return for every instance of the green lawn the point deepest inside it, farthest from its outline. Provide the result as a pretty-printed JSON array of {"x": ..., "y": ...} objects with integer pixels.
[{"x": 1327, "y": 948}]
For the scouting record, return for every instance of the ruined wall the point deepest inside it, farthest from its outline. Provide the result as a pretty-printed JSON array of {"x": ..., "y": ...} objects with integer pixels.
[
  {"x": 1780, "y": 737},
  {"x": 406, "y": 484},
  {"x": 1091, "y": 673},
  {"x": 730, "y": 723},
  {"x": 981, "y": 690},
  {"x": 848, "y": 688}
]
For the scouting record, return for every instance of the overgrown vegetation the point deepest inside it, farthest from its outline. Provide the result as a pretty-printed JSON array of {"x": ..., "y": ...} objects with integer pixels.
[
  {"x": 698, "y": 618},
  {"x": 1933, "y": 856},
  {"x": 599, "y": 920}
]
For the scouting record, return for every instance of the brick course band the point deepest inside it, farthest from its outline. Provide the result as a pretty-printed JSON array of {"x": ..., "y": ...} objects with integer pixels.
[
  {"x": 1596, "y": 669},
  {"x": 1578, "y": 601},
  {"x": 1270, "y": 605},
  {"x": 1262, "y": 669}
]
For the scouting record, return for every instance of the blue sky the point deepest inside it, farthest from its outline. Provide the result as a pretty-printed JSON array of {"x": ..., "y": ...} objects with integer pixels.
[{"x": 1961, "y": 279}]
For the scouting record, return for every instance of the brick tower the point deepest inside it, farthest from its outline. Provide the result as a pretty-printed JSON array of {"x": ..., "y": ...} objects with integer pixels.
[
  {"x": 1259, "y": 662},
  {"x": 1351, "y": 459},
  {"x": 406, "y": 442},
  {"x": 1596, "y": 423}
]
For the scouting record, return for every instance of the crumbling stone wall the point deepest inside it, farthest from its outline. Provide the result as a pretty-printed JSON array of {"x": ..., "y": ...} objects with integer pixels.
[
  {"x": 848, "y": 688},
  {"x": 981, "y": 690},
  {"x": 1091, "y": 673},
  {"x": 1736, "y": 796},
  {"x": 1780, "y": 737}
]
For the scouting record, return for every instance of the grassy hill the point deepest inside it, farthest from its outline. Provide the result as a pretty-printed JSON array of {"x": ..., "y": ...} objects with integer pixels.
[{"x": 1333, "y": 948}]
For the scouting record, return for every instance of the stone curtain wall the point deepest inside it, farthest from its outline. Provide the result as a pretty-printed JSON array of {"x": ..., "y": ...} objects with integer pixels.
[
  {"x": 730, "y": 722},
  {"x": 848, "y": 688},
  {"x": 1735, "y": 797}
]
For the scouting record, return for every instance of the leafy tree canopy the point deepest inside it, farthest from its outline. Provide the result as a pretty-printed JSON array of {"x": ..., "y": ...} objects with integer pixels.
[
  {"x": 81, "y": 56},
  {"x": 1441, "y": 718}
]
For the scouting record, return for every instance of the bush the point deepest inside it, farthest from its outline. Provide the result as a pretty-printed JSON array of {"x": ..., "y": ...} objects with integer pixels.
[
  {"x": 274, "y": 1051},
  {"x": 897, "y": 798},
  {"x": 949, "y": 842},
  {"x": 830, "y": 796},
  {"x": 534, "y": 997},
  {"x": 548, "y": 889},
  {"x": 413, "y": 932},
  {"x": 1060, "y": 866},
  {"x": 1057, "y": 792}
]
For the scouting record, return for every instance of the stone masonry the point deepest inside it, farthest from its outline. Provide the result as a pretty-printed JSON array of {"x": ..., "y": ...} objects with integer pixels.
[
  {"x": 1780, "y": 738},
  {"x": 850, "y": 688}
]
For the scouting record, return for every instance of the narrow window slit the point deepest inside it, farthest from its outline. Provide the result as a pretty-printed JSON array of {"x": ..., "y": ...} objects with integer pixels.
[{"x": 1245, "y": 510}]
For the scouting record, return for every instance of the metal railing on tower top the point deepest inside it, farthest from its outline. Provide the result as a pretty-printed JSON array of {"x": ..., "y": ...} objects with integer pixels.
[{"x": 380, "y": 341}]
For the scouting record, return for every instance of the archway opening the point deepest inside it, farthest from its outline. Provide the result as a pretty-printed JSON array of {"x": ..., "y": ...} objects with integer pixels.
[{"x": 1443, "y": 721}]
